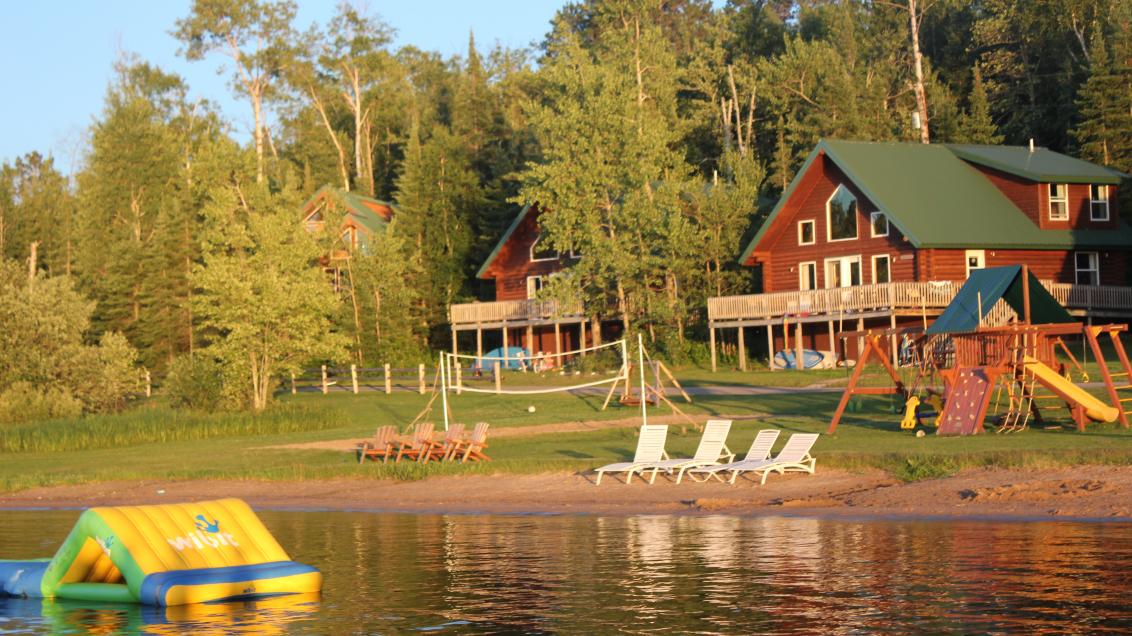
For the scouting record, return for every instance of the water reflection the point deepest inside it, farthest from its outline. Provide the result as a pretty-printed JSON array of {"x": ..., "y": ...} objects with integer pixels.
[{"x": 647, "y": 574}]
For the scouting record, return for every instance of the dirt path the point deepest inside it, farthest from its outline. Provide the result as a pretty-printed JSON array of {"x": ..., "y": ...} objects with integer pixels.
[
  {"x": 1088, "y": 492},
  {"x": 529, "y": 431}
]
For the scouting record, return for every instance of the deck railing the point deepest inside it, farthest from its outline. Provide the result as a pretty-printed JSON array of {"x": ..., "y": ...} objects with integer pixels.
[
  {"x": 511, "y": 311},
  {"x": 906, "y": 296}
]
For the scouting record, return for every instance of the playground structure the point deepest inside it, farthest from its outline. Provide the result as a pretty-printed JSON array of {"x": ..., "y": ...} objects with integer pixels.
[
  {"x": 170, "y": 554},
  {"x": 968, "y": 370}
]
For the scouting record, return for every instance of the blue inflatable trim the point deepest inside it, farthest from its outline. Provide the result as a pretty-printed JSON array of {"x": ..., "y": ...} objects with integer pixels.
[{"x": 155, "y": 586}]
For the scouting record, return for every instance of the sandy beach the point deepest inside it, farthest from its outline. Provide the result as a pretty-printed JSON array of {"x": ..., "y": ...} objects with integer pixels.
[{"x": 1088, "y": 492}]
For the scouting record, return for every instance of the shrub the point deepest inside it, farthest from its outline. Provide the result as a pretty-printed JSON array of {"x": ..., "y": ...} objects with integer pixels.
[
  {"x": 25, "y": 402},
  {"x": 194, "y": 382}
]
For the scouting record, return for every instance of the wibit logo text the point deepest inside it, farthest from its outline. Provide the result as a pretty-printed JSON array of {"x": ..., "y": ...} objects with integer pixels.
[{"x": 207, "y": 535}]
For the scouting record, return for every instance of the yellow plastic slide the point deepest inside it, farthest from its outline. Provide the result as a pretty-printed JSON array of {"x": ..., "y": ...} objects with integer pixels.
[{"x": 1094, "y": 408}]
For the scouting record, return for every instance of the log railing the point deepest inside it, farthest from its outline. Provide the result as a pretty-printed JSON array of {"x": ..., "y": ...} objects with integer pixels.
[
  {"x": 511, "y": 311},
  {"x": 906, "y": 296}
]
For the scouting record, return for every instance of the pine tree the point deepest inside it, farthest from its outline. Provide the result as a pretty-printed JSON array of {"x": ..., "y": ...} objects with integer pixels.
[
  {"x": 1104, "y": 132},
  {"x": 977, "y": 127}
]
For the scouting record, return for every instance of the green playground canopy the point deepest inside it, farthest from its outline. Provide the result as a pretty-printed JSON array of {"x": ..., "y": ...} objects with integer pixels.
[{"x": 985, "y": 287}]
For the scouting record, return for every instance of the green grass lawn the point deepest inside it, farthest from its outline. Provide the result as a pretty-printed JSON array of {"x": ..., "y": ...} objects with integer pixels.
[{"x": 154, "y": 443}]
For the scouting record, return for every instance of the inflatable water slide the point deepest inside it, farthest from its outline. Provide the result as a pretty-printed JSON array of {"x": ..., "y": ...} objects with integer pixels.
[{"x": 172, "y": 554}]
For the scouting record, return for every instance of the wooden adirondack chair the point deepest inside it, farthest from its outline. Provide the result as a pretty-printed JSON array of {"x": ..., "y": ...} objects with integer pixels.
[
  {"x": 418, "y": 445},
  {"x": 380, "y": 446},
  {"x": 472, "y": 447},
  {"x": 443, "y": 450}
]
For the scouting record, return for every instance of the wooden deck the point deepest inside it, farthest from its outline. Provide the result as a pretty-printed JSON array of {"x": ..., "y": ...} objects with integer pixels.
[
  {"x": 850, "y": 307},
  {"x": 901, "y": 299},
  {"x": 512, "y": 313}
]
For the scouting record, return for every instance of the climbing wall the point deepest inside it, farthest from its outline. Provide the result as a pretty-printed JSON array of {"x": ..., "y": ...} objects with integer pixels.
[{"x": 967, "y": 403}]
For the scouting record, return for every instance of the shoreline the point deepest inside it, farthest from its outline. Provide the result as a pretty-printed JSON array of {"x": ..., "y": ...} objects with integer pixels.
[{"x": 1083, "y": 493}]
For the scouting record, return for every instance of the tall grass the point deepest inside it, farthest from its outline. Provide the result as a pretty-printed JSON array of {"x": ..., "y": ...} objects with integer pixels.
[{"x": 159, "y": 425}]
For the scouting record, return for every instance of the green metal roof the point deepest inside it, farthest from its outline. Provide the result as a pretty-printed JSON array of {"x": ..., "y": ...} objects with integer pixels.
[
  {"x": 1041, "y": 164},
  {"x": 355, "y": 206},
  {"x": 984, "y": 288},
  {"x": 503, "y": 240},
  {"x": 937, "y": 200}
]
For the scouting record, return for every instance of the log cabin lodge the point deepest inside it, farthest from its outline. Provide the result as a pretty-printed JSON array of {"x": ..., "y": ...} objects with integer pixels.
[{"x": 867, "y": 235}]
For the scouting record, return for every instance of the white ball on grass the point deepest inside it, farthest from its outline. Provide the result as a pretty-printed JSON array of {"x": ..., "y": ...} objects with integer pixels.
[
  {"x": 531, "y": 409},
  {"x": 919, "y": 433}
]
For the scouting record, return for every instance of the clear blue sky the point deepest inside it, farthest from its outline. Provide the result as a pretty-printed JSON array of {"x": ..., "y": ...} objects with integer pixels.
[{"x": 58, "y": 55}]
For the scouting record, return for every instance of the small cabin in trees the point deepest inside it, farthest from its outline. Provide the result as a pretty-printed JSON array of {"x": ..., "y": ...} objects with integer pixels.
[
  {"x": 883, "y": 234},
  {"x": 356, "y": 217},
  {"x": 520, "y": 264}
]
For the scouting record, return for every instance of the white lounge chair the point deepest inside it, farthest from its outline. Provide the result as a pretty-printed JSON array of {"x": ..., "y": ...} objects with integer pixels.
[
  {"x": 650, "y": 449},
  {"x": 794, "y": 456},
  {"x": 713, "y": 446},
  {"x": 759, "y": 452}
]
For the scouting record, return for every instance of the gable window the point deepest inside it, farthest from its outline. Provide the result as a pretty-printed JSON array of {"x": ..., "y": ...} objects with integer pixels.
[
  {"x": 1098, "y": 202},
  {"x": 879, "y": 224},
  {"x": 882, "y": 269},
  {"x": 976, "y": 259},
  {"x": 807, "y": 276},
  {"x": 542, "y": 251},
  {"x": 841, "y": 215},
  {"x": 1058, "y": 202},
  {"x": 350, "y": 238},
  {"x": 1087, "y": 266},
  {"x": 806, "y": 233}
]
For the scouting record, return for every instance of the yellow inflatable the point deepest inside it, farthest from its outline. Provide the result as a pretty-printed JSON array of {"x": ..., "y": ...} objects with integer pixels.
[{"x": 171, "y": 554}]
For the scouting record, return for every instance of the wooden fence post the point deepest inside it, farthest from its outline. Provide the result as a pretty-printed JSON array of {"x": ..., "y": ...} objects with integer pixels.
[
  {"x": 421, "y": 377},
  {"x": 148, "y": 384},
  {"x": 293, "y": 389},
  {"x": 388, "y": 380},
  {"x": 325, "y": 386},
  {"x": 498, "y": 379},
  {"x": 354, "y": 377}
]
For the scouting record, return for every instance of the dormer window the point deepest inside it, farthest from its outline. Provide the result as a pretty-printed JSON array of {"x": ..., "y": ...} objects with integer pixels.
[
  {"x": 841, "y": 215},
  {"x": 1098, "y": 202},
  {"x": 1058, "y": 202},
  {"x": 542, "y": 251}
]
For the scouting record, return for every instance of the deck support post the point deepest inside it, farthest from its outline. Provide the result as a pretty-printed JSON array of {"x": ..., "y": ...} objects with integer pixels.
[
  {"x": 832, "y": 344},
  {"x": 557, "y": 343},
  {"x": 506, "y": 346},
  {"x": 454, "y": 351},
  {"x": 742, "y": 351},
  {"x": 479, "y": 341},
  {"x": 582, "y": 336},
  {"x": 799, "y": 348},
  {"x": 860, "y": 340},
  {"x": 711, "y": 340},
  {"x": 531, "y": 343},
  {"x": 770, "y": 346},
  {"x": 892, "y": 340}
]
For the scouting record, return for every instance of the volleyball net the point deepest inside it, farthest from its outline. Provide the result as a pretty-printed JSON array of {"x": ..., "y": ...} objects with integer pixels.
[{"x": 535, "y": 373}]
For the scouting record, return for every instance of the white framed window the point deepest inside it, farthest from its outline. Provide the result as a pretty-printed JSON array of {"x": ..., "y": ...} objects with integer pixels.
[
  {"x": 841, "y": 215},
  {"x": 541, "y": 251},
  {"x": 843, "y": 271},
  {"x": 806, "y": 233},
  {"x": 534, "y": 286},
  {"x": 1087, "y": 268},
  {"x": 975, "y": 259},
  {"x": 808, "y": 275},
  {"x": 878, "y": 224},
  {"x": 1058, "y": 202},
  {"x": 882, "y": 268},
  {"x": 350, "y": 237},
  {"x": 1098, "y": 202}
]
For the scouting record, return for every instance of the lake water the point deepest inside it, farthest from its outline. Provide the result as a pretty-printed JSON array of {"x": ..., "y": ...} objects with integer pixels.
[{"x": 392, "y": 573}]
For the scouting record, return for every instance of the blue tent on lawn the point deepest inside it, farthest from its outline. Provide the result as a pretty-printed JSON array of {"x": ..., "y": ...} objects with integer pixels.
[
  {"x": 985, "y": 287},
  {"x": 517, "y": 358}
]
